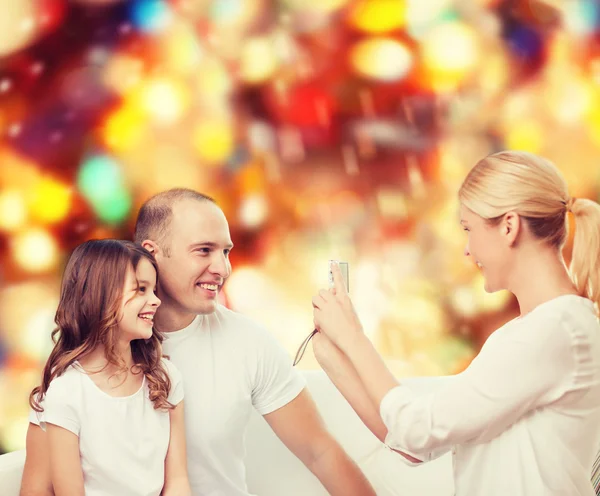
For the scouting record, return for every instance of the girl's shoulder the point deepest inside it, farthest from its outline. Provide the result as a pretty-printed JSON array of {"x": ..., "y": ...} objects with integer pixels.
[{"x": 69, "y": 378}]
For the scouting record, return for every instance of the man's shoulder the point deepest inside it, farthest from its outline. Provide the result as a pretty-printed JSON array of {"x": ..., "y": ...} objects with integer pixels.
[
  {"x": 237, "y": 322},
  {"x": 246, "y": 332}
]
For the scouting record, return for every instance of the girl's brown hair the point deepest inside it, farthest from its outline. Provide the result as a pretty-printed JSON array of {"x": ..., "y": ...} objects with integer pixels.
[{"x": 88, "y": 315}]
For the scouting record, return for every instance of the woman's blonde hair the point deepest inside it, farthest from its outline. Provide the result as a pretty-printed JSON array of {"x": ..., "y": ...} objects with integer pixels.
[{"x": 533, "y": 187}]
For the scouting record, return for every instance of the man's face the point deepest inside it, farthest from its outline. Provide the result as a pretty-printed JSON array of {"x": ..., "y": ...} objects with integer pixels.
[{"x": 198, "y": 263}]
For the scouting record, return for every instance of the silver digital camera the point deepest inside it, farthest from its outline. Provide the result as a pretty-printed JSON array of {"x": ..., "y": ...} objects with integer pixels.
[{"x": 344, "y": 269}]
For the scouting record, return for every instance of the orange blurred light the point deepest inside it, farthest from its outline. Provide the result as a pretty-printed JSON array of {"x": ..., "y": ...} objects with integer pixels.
[{"x": 123, "y": 73}]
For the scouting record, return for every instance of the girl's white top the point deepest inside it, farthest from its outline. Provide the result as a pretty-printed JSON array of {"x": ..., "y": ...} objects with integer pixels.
[
  {"x": 524, "y": 418},
  {"x": 123, "y": 441}
]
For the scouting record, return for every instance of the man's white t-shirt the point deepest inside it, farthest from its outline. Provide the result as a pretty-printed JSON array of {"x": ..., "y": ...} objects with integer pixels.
[
  {"x": 524, "y": 418},
  {"x": 123, "y": 441},
  {"x": 229, "y": 365}
]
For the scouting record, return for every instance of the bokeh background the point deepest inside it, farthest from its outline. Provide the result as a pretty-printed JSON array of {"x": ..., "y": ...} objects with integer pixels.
[{"x": 324, "y": 128}]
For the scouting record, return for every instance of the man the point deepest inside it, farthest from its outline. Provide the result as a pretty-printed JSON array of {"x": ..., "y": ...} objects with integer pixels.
[{"x": 229, "y": 364}]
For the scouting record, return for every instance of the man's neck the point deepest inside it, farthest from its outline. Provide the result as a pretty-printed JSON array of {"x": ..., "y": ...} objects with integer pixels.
[{"x": 169, "y": 319}]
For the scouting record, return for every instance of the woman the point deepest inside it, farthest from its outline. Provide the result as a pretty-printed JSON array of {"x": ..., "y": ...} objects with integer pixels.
[{"x": 524, "y": 418}]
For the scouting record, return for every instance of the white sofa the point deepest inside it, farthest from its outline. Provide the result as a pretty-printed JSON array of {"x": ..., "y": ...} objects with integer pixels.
[{"x": 273, "y": 471}]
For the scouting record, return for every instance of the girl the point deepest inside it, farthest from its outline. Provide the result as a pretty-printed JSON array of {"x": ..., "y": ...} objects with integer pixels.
[
  {"x": 524, "y": 418},
  {"x": 111, "y": 406}
]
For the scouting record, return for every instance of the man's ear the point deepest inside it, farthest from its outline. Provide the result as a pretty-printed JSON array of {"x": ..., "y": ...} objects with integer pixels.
[
  {"x": 151, "y": 246},
  {"x": 510, "y": 227}
]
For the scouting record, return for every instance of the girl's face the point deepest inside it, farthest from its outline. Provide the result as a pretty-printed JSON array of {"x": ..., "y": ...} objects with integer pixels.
[{"x": 139, "y": 302}]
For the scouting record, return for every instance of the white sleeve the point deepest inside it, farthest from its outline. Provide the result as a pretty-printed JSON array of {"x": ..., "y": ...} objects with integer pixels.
[
  {"x": 421, "y": 386},
  {"x": 275, "y": 381},
  {"x": 176, "y": 393},
  {"x": 515, "y": 372},
  {"x": 61, "y": 405},
  {"x": 34, "y": 417}
]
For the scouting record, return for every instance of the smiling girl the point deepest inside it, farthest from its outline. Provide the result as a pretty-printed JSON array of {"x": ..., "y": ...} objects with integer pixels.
[{"x": 111, "y": 405}]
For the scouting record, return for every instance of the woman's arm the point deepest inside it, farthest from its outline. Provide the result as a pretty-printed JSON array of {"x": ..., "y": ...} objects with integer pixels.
[
  {"x": 65, "y": 461},
  {"x": 345, "y": 378},
  {"x": 513, "y": 374},
  {"x": 176, "y": 475},
  {"x": 36, "y": 479}
]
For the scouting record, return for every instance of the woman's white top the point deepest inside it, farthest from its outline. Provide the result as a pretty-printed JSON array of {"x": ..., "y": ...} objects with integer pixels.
[
  {"x": 123, "y": 441},
  {"x": 524, "y": 418}
]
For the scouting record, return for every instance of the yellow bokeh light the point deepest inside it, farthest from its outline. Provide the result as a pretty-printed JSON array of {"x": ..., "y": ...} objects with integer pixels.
[
  {"x": 50, "y": 201},
  {"x": 213, "y": 79},
  {"x": 593, "y": 121},
  {"x": 124, "y": 129},
  {"x": 214, "y": 140},
  {"x": 258, "y": 60},
  {"x": 525, "y": 135},
  {"x": 378, "y": 16},
  {"x": 35, "y": 250},
  {"x": 182, "y": 52},
  {"x": 381, "y": 58},
  {"x": 420, "y": 15},
  {"x": 164, "y": 100},
  {"x": 13, "y": 210},
  {"x": 570, "y": 98},
  {"x": 449, "y": 52}
]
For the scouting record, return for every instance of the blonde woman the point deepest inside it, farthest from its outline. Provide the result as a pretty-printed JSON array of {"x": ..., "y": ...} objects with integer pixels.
[{"x": 524, "y": 418}]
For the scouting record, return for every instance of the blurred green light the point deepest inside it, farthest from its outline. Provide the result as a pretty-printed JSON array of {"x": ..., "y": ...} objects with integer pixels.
[
  {"x": 101, "y": 182},
  {"x": 115, "y": 209}
]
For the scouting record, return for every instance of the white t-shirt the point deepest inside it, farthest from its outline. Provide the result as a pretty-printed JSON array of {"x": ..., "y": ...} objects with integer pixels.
[
  {"x": 123, "y": 441},
  {"x": 229, "y": 364},
  {"x": 524, "y": 418}
]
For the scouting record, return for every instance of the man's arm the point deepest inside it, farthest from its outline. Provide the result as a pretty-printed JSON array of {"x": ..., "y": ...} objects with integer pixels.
[
  {"x": 301, "y": 429},
  {"x": 176, "y": 475},
  {"x": 36, "y": 479}
]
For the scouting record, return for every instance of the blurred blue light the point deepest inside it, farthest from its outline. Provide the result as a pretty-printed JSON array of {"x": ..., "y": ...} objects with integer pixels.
[{"x": 150, "y": 16}]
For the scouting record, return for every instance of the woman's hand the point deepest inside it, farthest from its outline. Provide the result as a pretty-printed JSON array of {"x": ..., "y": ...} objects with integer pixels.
[{"x": 334, "y": 313}]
